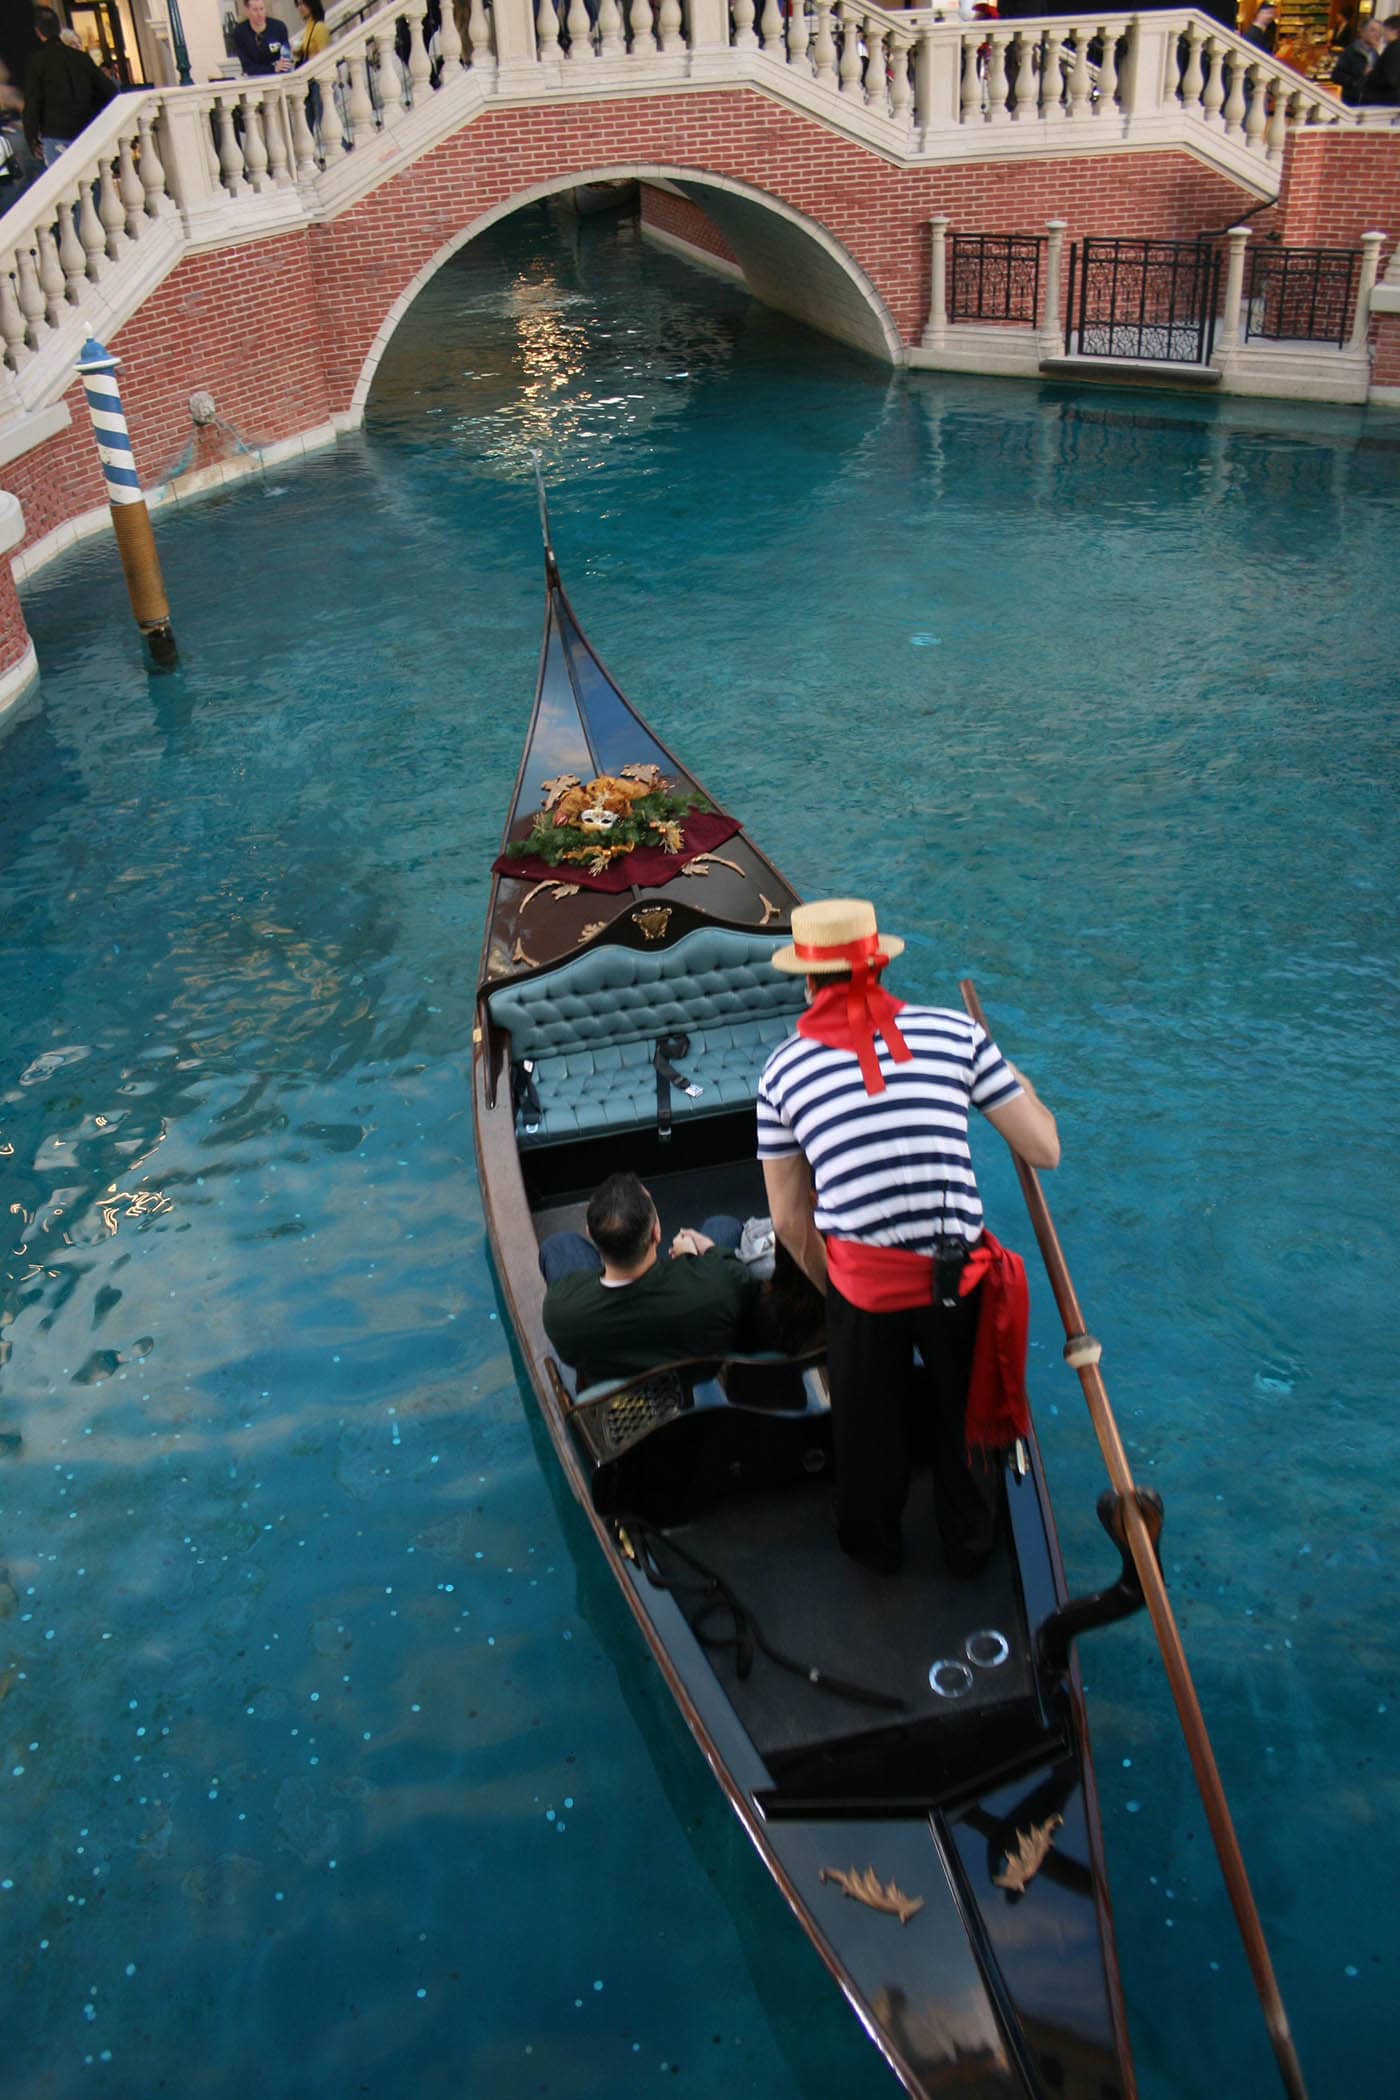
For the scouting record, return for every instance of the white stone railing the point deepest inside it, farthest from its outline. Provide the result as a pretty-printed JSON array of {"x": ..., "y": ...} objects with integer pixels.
[{"x": 170, "y": 169}]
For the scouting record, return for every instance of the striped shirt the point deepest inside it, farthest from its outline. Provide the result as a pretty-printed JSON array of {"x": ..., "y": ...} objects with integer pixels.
[{"x": 892, "y": 1169}]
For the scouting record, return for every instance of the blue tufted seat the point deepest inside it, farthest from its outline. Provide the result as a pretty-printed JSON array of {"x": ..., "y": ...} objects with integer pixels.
[{"x": 589, "y": 1028}]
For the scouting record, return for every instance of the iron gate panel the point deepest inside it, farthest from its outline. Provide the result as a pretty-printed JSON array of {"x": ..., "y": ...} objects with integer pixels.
[
  {"x": 1300, "y": 295},
  {"x": 995, "y": 277},
  {"x": 1153, "y": 301}
]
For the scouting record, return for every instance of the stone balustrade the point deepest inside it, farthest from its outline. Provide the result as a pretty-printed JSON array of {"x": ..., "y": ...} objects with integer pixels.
[{"x": 168, "y": 169}]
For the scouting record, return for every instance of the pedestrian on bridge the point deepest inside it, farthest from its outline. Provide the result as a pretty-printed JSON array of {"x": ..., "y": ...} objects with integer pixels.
[{"x": 63, "y": 90}]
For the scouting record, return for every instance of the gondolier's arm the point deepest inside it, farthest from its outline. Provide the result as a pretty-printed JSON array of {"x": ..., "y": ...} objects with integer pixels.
[{"x": 788, "y": 1182}]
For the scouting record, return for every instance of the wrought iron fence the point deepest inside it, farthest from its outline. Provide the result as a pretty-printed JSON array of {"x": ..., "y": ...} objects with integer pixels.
[
  {"x": 995, "y": 277},
  {"x": 1152, "y": 301},
  {"x": 1300, "y": 295}
]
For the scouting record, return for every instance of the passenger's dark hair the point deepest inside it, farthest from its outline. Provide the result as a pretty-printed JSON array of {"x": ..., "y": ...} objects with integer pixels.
[
  {"x": 316, "y": 9},
  {"x": 47, "y": 24},
  {"x": 620, "y": 1217}
]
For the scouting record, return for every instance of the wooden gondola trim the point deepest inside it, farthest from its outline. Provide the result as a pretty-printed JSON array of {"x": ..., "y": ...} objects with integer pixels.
[{"x": 1086, "y": 1362}]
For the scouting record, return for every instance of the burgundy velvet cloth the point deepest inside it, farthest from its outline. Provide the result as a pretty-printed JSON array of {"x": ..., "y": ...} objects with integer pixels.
[{"x": 646, "y": 867}]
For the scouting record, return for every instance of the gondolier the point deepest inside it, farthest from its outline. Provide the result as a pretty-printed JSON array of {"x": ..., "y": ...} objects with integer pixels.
[{"x": 868, "y": 1105}]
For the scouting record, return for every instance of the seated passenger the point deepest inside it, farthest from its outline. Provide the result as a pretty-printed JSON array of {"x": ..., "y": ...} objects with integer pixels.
[{"x": 614, "y": 1305}]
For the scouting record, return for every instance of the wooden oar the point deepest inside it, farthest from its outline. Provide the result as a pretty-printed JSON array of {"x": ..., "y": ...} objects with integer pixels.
[{"x": 1082, "y": 1353}]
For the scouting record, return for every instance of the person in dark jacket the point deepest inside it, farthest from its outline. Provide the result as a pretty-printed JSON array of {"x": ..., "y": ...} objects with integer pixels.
[
  {"x": 261, "y": 43},
  {"x": 1383, "y": 80},
  {"x": 1263, "y": 30},
  {"x": 1355, "y": 63},
  {"x": 63, "y": 90}
]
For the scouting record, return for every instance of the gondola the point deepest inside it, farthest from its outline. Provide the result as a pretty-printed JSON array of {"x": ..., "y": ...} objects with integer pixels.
[{"x": 910, "y": 1757}]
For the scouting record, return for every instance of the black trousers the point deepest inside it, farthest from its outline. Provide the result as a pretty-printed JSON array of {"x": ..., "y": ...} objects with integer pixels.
[{"x": 887, "y": 1412}]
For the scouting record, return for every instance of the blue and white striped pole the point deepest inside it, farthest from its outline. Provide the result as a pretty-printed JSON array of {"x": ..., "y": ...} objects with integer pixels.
[{"x": 131, "y": 521}]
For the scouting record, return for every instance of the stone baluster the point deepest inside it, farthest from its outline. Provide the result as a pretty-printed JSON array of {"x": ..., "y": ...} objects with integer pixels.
[
  {"x": 936, "y": 330},
  {"x": 798, "y": 36},
  {"x": 51, "y": 280},
  {"x": 1213, "y": 98},
  {"x": 996, "y": 77},
  {"x": 358, "y": 107},
  {"x": 1227, "y": 343},
  {"x": 1256, "y": 121},
  {"x": 1107, "y": 103},
  {"x": 971, "y": 81},
  {"x": 1193, "y": 79},
  {"x": 420, "y": 66},
  {"x": 1081, "y": 87},
  {"x": 771, "y": 23},
  {"x": 1054, "y": 82},
  {"x": 547, "y": 31},
  {"x": 254, "y": 143},
  {"x": 580, "y": 33},
  {"x": 824, "y": 45},
  {"x": 877, "y": 87},
  {"x": 274, "y": 122},
  {"x": 110, "y": 215},
  {"x": 1371, "y": 244},
  {"x": 1235, "y": 103},
  {"x": 152, "y": 168},
  {"x": 742, "y": 12},
  {"x": 901, "y": 87},
  {"x": 304, "y": 161},
  {"x": 133, "y": 197},
  {"x": 230, "y": 152},
  {"x": 610, "y": 44},
  {"x": 643, "y": 33},
  {"x": 72, "y": 260},
  {"x": 91, "y": 231},
  {"x": 31, "y": 297},
  {"x": 849, "y": 68},
  {"x": 1052, "y": 334},
  {"x": 385, "y": 78},
  {"x": 1279, "y": 114},
  {"x": 672, "y": 25},
  {"x": 1031, "y": 51},
  {"x": 12, "y": 323}
]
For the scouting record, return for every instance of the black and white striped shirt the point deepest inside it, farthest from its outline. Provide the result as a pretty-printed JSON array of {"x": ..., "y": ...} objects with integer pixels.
[{"x": 892, "y": 1169}]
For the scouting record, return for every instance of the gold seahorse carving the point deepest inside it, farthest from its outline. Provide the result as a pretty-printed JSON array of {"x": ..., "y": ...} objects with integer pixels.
[
  {"x": 703, "y": 862},
  {"x": 868, "y": 1888},
  {"x": 1025, "y": 1863}
]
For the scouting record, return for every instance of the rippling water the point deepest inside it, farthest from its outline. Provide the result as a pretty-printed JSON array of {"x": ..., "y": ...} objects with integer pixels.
[{"x": 329, "y": 1762}]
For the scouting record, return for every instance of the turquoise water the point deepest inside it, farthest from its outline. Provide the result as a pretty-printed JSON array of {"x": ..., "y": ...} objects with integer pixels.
[{"x": 329, "y": 1762}]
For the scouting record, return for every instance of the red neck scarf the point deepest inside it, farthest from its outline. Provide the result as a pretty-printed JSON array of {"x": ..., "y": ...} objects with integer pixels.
[{"x": 848, "y": 1017}]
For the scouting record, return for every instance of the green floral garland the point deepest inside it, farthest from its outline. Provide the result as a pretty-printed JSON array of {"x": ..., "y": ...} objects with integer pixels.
[{"x": 652, "y": 820}]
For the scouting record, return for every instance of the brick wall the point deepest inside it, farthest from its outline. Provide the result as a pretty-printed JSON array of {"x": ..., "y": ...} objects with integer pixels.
[
  {"x": 677, "y": 215},
  {"x": 243, "y": 323},
  {"x": 14, "y": 635}
]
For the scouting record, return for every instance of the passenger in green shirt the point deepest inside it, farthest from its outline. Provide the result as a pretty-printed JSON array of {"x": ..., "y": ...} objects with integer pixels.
[{"x": 637, "y": 1308}]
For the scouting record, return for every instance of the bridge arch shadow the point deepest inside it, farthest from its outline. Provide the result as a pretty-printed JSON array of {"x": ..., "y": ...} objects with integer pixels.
[{"x": 788, "y": 260}]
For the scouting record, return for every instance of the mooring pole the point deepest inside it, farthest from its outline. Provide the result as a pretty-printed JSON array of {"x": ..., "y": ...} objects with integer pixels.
[{"x": 131, "y": 520}]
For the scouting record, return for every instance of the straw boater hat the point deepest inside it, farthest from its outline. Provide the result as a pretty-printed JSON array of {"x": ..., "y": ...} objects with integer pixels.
[{"x": 836, "y": 934}]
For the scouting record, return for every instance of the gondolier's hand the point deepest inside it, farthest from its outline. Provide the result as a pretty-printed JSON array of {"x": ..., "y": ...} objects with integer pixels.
[{"x": 688, "y": 1241}]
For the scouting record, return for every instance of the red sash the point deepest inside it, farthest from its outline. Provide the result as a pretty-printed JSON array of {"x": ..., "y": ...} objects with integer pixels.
[{"x": 896, "y": 1279}]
